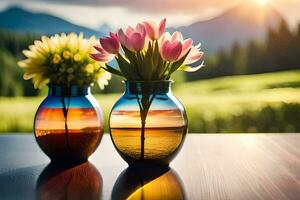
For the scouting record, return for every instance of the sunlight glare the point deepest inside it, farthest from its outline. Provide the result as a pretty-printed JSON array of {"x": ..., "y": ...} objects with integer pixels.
[{"x": 261, "y": 2}]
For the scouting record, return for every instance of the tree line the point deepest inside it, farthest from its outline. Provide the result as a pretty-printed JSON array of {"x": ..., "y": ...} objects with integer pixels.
[{"x": 279, "y": 51}]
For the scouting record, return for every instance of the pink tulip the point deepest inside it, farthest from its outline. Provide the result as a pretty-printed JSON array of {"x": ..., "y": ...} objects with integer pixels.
[
  {"x": 102, "y": 55},
  {"x": 171, "y": 50},
  {"x": 133, "y": 39},
  {"x": 153, "y": 31},
  {"x": 194, "y": 55},
  {"x": 111, "y": 44},
  {"x": 170, "y": 46}
]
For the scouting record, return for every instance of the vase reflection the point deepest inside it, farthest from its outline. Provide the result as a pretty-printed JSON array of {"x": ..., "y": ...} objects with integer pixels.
[
  {"x": 69, "y": 182},
  {"x": 154, "y": 183}
]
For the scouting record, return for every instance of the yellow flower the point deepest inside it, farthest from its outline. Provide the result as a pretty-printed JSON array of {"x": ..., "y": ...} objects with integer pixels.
[
  {"x": 67, "y": 54},
  {"x": 77, "y": 57},
  {"x": 52, "y": 56},
  {"x": 56, "y": 59},
  {"x": 89, "y": 68}
]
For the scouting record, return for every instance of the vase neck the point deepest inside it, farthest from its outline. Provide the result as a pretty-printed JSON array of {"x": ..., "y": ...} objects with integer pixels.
[
  {"x": 72, "y": 91},
  {"x": 153, "y": 87}
]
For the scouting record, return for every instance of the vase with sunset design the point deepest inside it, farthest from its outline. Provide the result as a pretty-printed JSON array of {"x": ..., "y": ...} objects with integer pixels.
[
  {"x": 148, "y": 124},
  {"x": 68, "y": 124}
]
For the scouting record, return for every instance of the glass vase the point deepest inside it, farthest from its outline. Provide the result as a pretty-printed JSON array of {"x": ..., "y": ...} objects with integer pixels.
[
  {"x": 68, "y": 124},
  {"x": 148, "y": 124}
]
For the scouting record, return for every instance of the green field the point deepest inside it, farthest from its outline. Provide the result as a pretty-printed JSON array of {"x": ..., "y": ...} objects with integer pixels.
[{"x": 251, "y": 103}]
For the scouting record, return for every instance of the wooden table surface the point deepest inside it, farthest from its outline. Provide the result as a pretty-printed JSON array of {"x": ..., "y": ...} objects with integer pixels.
[{"x": 210, "y": 166}]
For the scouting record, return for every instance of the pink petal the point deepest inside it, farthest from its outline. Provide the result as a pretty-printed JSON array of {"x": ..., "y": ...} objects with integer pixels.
[
  {"x": 101, "y": 57},
  {"x": 150, "y": 30},
  {"x": 162, "y": 27},
  {"x": 129, "y": 31},
  {"x": 186, "y": 46},
  {"x": 165, "y": 37},
  {"x": 114, "y": 35},
  {"x": 193, "y": 56},
  {"x": 140, "y": 29},
  {"x": 171, "y": 51},
  {"x": 137, "y": 41},
  {"x": 124, "y": 40},
  {"x": 176, "y": 36},
  {"x": 110, "y": 44},
  {"x": 99, "y": 48}
]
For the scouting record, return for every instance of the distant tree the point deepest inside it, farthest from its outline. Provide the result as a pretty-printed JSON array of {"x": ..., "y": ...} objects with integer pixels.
[
  {"x": 285, "y": 40},
  {"x": 255, "y": 58},
  {"x": 11, "y": 76},
  {"x": 279, "y": 48},
  {"x": 237, "y": 60},
  {"x": 210, "y": 69},
  {"x": 16, "y": 42},
  {"x": 296, "y": 48},
  {"x": 224, "y": 64},
  {"x": 9, "y": 86}
]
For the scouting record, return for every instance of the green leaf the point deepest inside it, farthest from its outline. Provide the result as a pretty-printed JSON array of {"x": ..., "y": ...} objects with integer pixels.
[
  {"x": 134, "y": 61},
  {"x": 146, "y": 67},
  {"x": 112, "y": 70},
  {"x": 125, "y": 68},
  {"x": 130, "y": 55},
  {"x": 177, "y": 64},
  {"x": 157, "y": 62}
]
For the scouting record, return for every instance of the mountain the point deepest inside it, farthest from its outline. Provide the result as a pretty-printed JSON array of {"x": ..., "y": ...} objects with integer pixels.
[
  {"x": 20, "y": 20},
  {"x": 239, "y": 24},
  {"x": 106, "y": 28}
]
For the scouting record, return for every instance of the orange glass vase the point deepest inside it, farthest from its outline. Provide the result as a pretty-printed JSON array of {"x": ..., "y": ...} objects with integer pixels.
[
  {"x": 148, "y": 124},
  {"x": 68, "y": 125}
]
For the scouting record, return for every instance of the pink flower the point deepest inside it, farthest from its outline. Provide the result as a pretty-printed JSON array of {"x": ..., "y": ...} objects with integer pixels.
[
  {"x": 133, "y": 39},
  {"x": 153, "y": 31},
  {"x": 111, "y": 44},
  {"x": 173, "y": 48},
  {"x": 102, "y": 55},
  {"x": 194, "y": 55}
]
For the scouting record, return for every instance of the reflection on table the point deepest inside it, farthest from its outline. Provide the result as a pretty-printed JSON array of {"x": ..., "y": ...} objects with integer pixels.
[
  {"x": 155, "y": 183},
  {"x": 74, "y": 182}
]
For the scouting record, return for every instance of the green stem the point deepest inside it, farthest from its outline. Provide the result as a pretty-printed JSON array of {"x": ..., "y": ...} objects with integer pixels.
[{"x": 165, "y": 69}]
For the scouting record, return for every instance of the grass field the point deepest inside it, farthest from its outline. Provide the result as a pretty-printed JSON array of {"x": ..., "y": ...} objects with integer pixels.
[{"x": 252, "y": 103}]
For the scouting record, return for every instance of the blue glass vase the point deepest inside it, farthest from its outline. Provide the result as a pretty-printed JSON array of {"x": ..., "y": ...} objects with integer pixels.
[
  {"x": 148, "y": 124},
  {"x": 68, "y": 124}
]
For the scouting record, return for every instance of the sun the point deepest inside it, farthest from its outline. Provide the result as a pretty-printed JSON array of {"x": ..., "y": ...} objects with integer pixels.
[{"x": 262, "y": 2}]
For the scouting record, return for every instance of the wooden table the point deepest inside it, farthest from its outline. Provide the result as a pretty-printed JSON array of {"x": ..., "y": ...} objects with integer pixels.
[{"x": 210, "y": 166}]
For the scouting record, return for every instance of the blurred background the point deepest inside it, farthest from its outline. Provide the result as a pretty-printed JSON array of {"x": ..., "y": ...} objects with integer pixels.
[{"x": 251, "y": 82}]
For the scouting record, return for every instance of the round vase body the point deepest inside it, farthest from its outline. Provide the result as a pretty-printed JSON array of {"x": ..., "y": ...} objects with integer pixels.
[
  {"x": 148, "y": 124},
  {"x": 68, "y": 124}
]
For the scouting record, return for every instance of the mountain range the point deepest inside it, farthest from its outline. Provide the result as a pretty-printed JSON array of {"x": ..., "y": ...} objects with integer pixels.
[
  {"x": 238, "y": 24},
  {"x": 20, "y": 20},
  {"x": 242, "y": 23}
]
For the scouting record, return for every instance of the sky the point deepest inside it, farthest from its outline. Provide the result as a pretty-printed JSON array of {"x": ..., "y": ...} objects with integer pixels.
[{"x": 118, "y": 13}]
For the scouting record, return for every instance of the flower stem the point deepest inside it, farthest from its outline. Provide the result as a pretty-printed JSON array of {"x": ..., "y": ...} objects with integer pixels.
[
  {"x": 144, "y": 106},
  {"x": 65, "y": 112},
  {"x": 143, "y": 139}
]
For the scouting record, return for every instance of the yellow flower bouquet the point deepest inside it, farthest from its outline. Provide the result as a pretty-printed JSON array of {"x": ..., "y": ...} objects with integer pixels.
[{"x": 63, "y": 60}]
